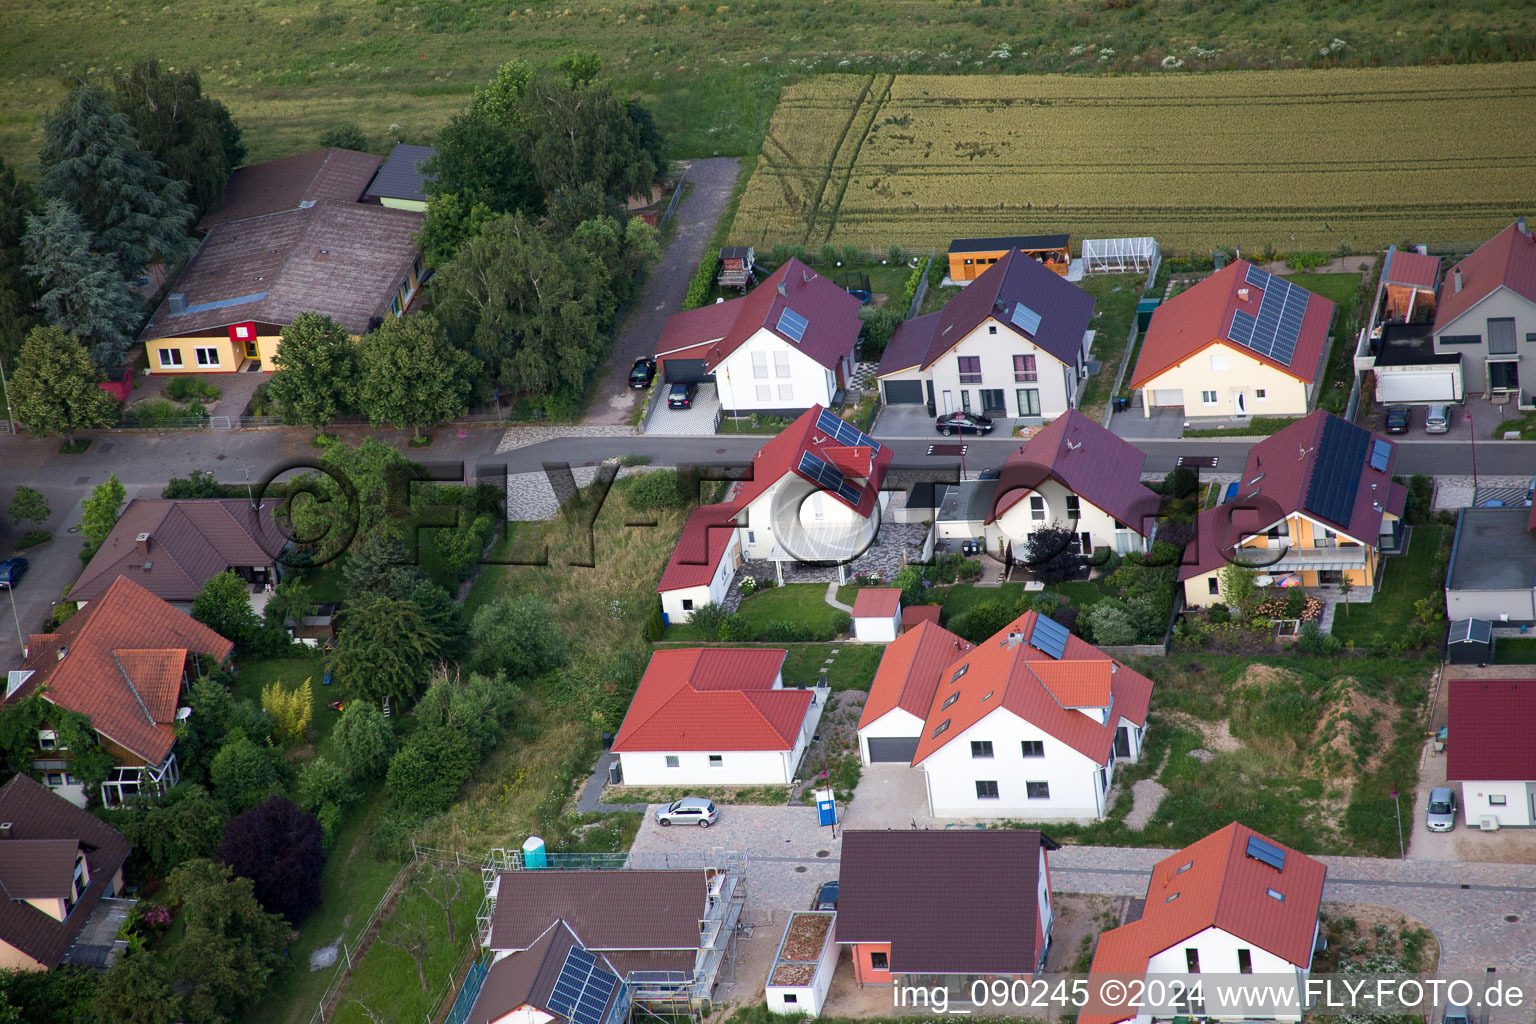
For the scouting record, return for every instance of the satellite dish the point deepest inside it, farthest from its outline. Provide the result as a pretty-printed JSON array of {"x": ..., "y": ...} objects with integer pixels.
[{"x": 182, "y": 714}]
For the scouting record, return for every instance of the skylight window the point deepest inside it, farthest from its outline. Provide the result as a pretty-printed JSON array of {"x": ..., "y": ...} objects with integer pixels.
[
  {"x": 1184, "y": 867},
  {"x": 940, "y": 730},
  {"x": 1170, "y": 899},
  {"x": 1275, "y": 894},
  {"x": 962, "y": 670},
  {"x": 949, "y": 700}
]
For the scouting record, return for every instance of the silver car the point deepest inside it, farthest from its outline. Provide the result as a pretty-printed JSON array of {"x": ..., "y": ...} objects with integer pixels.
[
  {"x": 1437, "y": 419},
  {"x": 690, "y": 810},
  {"x": 1441, "y": 816}
]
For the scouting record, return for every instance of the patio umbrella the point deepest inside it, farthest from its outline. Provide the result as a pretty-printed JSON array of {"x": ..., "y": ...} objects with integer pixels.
[
  {"x": 1290, "y": 580},
  {"x": 1263, "y": 581}
]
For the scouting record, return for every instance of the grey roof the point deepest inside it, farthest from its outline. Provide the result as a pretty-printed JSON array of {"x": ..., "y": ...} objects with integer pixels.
[
  {"x": 286, "y": 184},
  {"x": 1495, "y": 549},
  {"x": 1411, "y": 345},
  {"x": 1477, "y": 631},
  {"x": 968, "y": 502},
  {"x": 609, "y": 910},
  {"x": 344, "y": 260},
  {"x": 400, "y": 177},
  {"x": 37, "y": 868},
  {"x": 1027, "y": 242}
]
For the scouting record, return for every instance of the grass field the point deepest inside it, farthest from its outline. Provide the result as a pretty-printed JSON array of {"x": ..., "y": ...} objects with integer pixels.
[
  {"x": 1281, "y": 160},
  {"x": 711, "y": 72},
  {"x": 1405, "y": 579}
]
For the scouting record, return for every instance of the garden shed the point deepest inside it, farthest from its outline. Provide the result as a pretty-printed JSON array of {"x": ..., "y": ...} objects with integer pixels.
[
  {"x": 1469, "y": 642},
  {"x": 736, "y": 263},
  {"x": 1120, "y": 255},
  {"x": 807, "y": 958},
  {"x": 877, "y": 614}
]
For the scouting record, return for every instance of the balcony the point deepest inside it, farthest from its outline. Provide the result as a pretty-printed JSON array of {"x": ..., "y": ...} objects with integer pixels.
[{"x": 1295, "y": 559}]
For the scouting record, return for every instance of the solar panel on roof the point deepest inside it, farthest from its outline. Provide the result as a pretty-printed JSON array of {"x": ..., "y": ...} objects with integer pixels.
[
  {"x": 582, "y": 990},
  {"x": 1335, "y": 479},
  {"x": 845, "y": 433},
  {"x": 1025, "y": 319},
  {"x": 1266, "y": 852},
  {"x": 1381, "y": 452},
  {"x": 1275, "y": 329},
  {"x": 792, "y": 324},
  {"x": 1048, "y": 637},
  {"x": 829, "y": 478}
]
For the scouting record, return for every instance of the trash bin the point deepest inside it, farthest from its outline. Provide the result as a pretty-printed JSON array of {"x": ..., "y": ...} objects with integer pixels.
[{"x": 1122, "y": 404}]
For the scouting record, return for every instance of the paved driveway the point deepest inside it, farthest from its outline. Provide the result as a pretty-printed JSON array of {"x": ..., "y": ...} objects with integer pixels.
[
  {"x": 50, "y": 568},
  {"x": 665, "y": 284}
]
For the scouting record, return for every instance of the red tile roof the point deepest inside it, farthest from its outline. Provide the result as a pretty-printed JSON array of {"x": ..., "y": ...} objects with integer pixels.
[
  {"x": 1491, "y": 722},
  {"x": 877, "y": 603},
  {"x": 705, "y": 539},
  {"x": 1014, "y": 280},
  {"x": 1276, "y": 479},
  {"x": 831, "y": 315},
  {"x": 1202, "y": 315},
  {"x": 125, "y": 653},
  {"x": 781, "y": 455},
  {"x": 1222, "y": 887},
  {"x": 278, "y": 185},
  {"x": 713, "y": 698},
  {"x": 54, "y": 828},
  {"x": 910, "y": 669},
  {"x": 1411, "y": 268},
  {"x": 1507, "y": 260},
  {"x": 1088, "y": 460},
  {"x": 916, "y": 615},
  {"x": 1001, "y": 672}
]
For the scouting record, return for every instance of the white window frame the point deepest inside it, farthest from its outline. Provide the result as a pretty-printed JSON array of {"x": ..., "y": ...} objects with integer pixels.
[
  {"x": 173, "y": 361},
  {"x": 673, "y": 760},
  {"x": 206, "y": 356},
  {"x": 1036, "y": 508},
  {"x": 1219, "y": 361},
  {"x": 764, "y": 392},
  {"x": 1260, "y": 394},
  {"x": 717, "y": 760},
  {"x": 786, "y": 392},
  {"x": 781, "y": 364},
  {"x": 1209, "y": 398},
  {"x": 760, "y": 365}
]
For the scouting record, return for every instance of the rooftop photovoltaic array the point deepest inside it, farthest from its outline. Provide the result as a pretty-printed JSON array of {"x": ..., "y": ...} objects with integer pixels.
[
  {"x": 845, "y": 433},
  {"x": 582, "y": 990},
  {"x": 1026, "y": 319},
  {"x": 1335, "y": 479},
  {"x": 1048, "y": 637},
  {"x": 792, "y": 325},
  {"x": 1266, "y": 852},
  {"x": 1381, "y": 453},
  {"x": 829, "y": 478},
  {"x": 1276, "y": 329}
]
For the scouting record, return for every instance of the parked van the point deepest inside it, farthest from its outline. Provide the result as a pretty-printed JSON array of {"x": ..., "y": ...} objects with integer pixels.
[{"x": 1437, "y": 419}]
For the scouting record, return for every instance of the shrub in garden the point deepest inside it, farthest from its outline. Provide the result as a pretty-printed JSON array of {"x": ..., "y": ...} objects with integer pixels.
[
  {"x": 707, "y": 619},
  {"x": 1219, "y": 613},
  {"x": 842, "y": 625},
  {"x": 1311, "y": 639},
  {"x": 1112, "y": 624},
  {"x": 658, "y": 489},
  {"x": 735, "y": 629}
]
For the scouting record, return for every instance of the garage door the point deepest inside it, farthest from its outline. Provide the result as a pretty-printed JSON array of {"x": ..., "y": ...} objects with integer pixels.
[
  {"x": 893, "y": 748},
  {"x": 903, "y": 392},
  {"x": 684, "y": 371},
  {"x": 1417, "y": 386},
  {"x": 1168, "y": 396}
]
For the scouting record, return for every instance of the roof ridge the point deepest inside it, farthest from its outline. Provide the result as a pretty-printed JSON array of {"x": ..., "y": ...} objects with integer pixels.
[
  {"x": 131, "y": 688},
  {"x": 751, "y": 701}
]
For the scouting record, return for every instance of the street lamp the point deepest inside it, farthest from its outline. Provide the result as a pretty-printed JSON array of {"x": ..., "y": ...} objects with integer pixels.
[
  {"x": 1401, "y": 852},
  {"x": 16, "y": 618}
]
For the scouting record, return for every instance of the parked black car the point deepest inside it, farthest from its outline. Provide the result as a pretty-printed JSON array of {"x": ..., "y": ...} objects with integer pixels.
[
  {"x": 962, "y": 423},
  {"x": 642, "y": 373},
  {"x": 826, "y": 896},
  {"x": 1399, "y": 419},
  {"x": 681, "y": 396}
]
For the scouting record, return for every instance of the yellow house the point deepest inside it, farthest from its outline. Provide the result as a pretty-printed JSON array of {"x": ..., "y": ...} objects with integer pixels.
[
  {"x": 1242, "y": 342},
  {"x": 1316, "y": 505}
]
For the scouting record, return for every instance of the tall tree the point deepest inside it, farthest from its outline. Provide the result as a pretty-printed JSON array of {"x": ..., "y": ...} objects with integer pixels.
[
  {"x": 137, "y": 990},
  {"x": 316, "y": 367},
  {"x": 99, "y": 511},
  {"x": 365, "y": 738},
  {"x": 18, "y": 290},
  {"x": 92, "y": 160},
  {"x": 191, "y": 134},
  {"x": 450, "y": 221},
  {"x": 28, "y": 504},
  {"x": 83, "y": 292},
  {"x": 385, "y": 649},
  {"x": 584, "y": 133},
  {"x": 54, "y": 386},
  {"x": 483, "y": 158},
  {"x": 231, "y": 947},
  {"x": 224, "y": 606},
  {"x": 278, "y": 847},
  {"x": 412, "y": 377}
]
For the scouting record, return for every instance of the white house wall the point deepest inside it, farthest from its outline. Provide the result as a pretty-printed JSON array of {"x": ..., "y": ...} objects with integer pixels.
[
  {"x": 1043, "y": 896},
  {"x": 712, "y": 593},
  {"x": 1218, "y": 955},
  {"x": 897, "y": 722},
  {"x": 793, "y": 499},
  {"x": 1057, "y": 382},
  {"x": 953, "y": 774},
  {"x": 1018, "y": 522},
  {"x": 737, "y": 768},
  {"x": 875, "y": 629},
  {"x": 809, "y": 382},
  {"x": 809, "y": 999},
  {"x": 1516, "y": 810}
]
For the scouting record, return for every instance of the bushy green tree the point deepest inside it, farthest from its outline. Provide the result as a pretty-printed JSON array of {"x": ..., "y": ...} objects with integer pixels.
[
  {"x": 54, "y": 386},
  {"x": 1238, "y": 588},
  {"x": 28, "y": 505},
  {"x": 18, "y": 289},
  {"x": 385, "y": 649},
  {"x": 200, "y": 483},
  {"x": 425, "y": 776},
  {"x": 137, "y": 990},
  {"x": 450, "y": 220},
  {"x": 322, "y": 781},
  {"x": 243, "y": 774},
  {"x": 880, "y": 322},
  {"x": 983, "y": 620},
  {"x": 82, "y": 292},
  {"x": 231, "y": 947},
  {"x": 365, "y": 738},
  {"x": 99, "y": 511},
  {"x": 411, "y": 376},
  {"x": 191, "y": 134},
  {"x": 224, "y": 606},
  {"x": 315, "y": 371},
  {"x": 516, "y": 635},
  {"x": 1111, "y": 623},
  {"x": 476, "y": 706},
  {"x": 346, "y": 135},
  {"x": 582, "y": 132},
  {"x": 186, "y": 823}
]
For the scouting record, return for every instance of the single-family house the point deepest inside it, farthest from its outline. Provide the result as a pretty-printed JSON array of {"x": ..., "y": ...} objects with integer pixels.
[
  {"x": 1316, "y": 500},
  {"x": 702, "y": 565},
  {"x": 1242, "y": 342},
  {"x": 57, "y": 862},
  {"x": 172, "y": 547},
  {"x": 121, "y": 661},
  {"x": 1492, "y": 571},
  {"x": 969, "y": 258},
  {"x": 716, "y": 716},
  {"x": 1013, "y": 343},
  {"x": 782, "y": 348},
  {"x": 584, "y": 946},
  {"x": 1489, "y": 750},
  {"x": 1234, "y": 903},
  {"x": 1029, "y": 723},
  {"x": 938, "y": 908},
  {"x": 400, "y": 182},
  {"x": 891, "y": 723},
  {"x": 877, "y": 614},
  {"x": 1486, "y": 315},
  {"x": 1074, "y": 474}
]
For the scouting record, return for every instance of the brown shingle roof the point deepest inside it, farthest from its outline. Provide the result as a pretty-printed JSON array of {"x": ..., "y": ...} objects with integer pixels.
[
  {"x": 279, "y": 185},
  {"x": 610, "y": 910},
  {"x": 39, "y": 817},
  {"x": 121, "y": 664},
  {"x": 191, "y": 542},
  {"x": 37, "y": 868},
  {"x": 1096, "y": 465},
  {"x": 947, "y": 902},
  {"x": 344, "y": 260}
]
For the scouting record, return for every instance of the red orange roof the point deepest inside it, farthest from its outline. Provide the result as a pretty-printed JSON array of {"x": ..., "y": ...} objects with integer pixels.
[
  {"x": 1202, "y": 316},
  {"x": 781, "y": 455},
  {"x": 119, "y": 660},
  {"x": 705, "y": 539},
  {"x": 713, "y": 698},
  {"x": 916, "y": 615},
  {"x": 1411, "y": 268},
  {"x": 909, "y": 670},
  {"x": 877, "y": 603},
  {"x": 1506, "y": 260},
  {"x": 1500, "y": 714},
  {"x": 1214, "y": 883}
]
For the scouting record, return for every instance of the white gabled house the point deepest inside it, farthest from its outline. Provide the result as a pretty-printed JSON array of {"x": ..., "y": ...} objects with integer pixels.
[
  {"x": 902, "y": 691},
  {"x": 701, "y": 567},
  {"x": 1497, "y": 768}
]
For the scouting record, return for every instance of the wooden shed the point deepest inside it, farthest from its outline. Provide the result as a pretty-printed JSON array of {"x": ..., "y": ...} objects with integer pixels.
[
  {"x": 736, "y": 263},
  {"x": 969, "y": 258}
]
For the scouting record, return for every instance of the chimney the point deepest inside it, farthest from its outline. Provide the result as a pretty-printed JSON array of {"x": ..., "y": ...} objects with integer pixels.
[
  {"x": 1456, "y": 275},
  {"x": 1242, "y": 294},
  {"x": 143, "y": 542},
  {"x": 176, "y": 303},
  {"x": 783, "y": 288},
  {"x": 1520, "y": 227},
  {"x": 5, "y": 830}
]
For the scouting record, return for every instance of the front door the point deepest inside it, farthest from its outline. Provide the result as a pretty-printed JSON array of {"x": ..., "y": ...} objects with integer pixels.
[
  {"x": 1240, "y": 402},
  {"x": 250, "y": 349},
  {"x": 965, "y": 399},
  {"x": 1123, "y": 741},
  {"x": 992, "y": 402},
  {"x": 949, "y": 402}
]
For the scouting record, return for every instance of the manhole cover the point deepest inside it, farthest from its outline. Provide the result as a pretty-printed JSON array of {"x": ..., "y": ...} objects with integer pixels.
[
  {"x": 1512, "y": 918},
  {"x": 823, "y": 853},
  {"x": 719, "y": 451},
  {"x": 219, "y": 458},
  {"x": 82, "y": 480},
  {"x": 801, "y": 869}
]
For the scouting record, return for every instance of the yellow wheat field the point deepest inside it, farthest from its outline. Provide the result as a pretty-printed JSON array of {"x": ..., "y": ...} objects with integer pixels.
[{"x": 1294, "y": 160}]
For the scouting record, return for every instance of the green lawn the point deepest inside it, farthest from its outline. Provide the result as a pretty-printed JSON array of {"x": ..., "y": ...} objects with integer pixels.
[
  {"x": 1259, "y": 426},
  {"x": 1514, "y": 650},
  {"x": 1333, "y": 389},
  {"x": 1405, "y": 579},
  {"x": 1114, "y": 308},
  {"x": 962, "y": 597},
  {"x": 799, "y": 604}
]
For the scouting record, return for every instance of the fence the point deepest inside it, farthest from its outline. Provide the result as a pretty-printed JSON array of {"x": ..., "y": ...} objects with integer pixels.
[
  {"x": 921, "y": 293},
  {"x": 677, "y": 194},
  {"x": 331, "y": 997}
]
